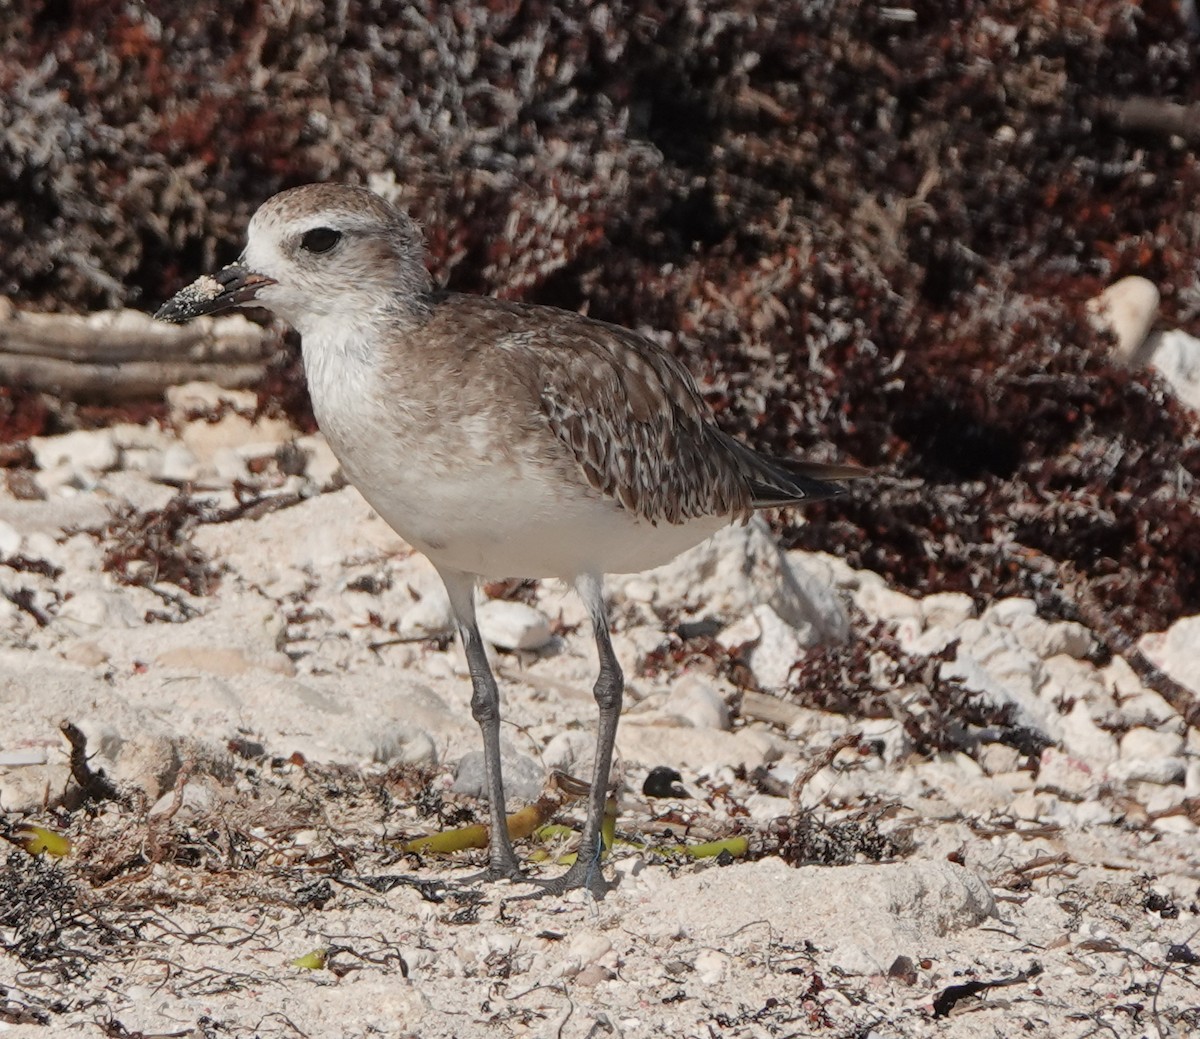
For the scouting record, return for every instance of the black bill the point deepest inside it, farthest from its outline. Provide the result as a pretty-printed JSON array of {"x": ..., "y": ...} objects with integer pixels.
[{"x": 212, "y": 293}]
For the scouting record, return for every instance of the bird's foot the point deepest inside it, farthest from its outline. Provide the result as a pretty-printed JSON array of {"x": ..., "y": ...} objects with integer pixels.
[
  {"x": 583, "y": 874},
  {"x": 510, "y": 871}
]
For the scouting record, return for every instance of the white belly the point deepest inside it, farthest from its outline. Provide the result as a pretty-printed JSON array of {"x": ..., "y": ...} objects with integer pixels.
[{"x": 498, "y": 521}]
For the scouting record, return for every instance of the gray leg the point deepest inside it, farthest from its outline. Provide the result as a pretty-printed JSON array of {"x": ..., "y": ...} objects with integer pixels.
[
  {"x": 485, "y": 708},
  {"x": 609, "y": 688}
]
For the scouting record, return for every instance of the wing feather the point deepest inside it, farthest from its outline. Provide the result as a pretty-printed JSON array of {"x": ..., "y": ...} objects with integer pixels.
[{"x": 633, "y": 419}]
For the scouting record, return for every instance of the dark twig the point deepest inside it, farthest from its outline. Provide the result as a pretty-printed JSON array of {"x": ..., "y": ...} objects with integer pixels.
[{"x": 95, "y": 785}]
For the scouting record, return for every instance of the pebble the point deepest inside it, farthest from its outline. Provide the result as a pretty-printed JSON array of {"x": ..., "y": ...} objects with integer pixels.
[
  {"x": 91, "y": 611},
  {"x": 149, "y": 764},
  {"x": 85, "y": 652},
  {"x": 1191, "y": 780},
  {"x": 23, "y": 757},
  {"x": 1062, "y": 638},
  {"x": 711, "y": 966},
  {"x": 1149, "y": 770},
  {"x": 697, "y": 702},
  {"x": 513, "y": 625},
  {"x": 1127, "y": 309},
  {"x": 588, "y": 947},
  {"x": 198, "y": 799},
  {"x": 10, "y": 540},
  {"x": 191, "y": 399},
  {"x": 1141, "y": 742},
  {"x": 524, "y": 778},
  {"x": 90, "y": 450},
  {"x": 1084, "y": 739},
  {"x": 321, "y": 465},
  {"x": 177, "y": 463},
  {"x": 568, "y": 750},
  {"x": 997, "y": 758},
  {"x": 1177, "y": 651},
  {"x": 1176, "y": 358},
  {"x": 406, "y": 745},
  {"x": 947, "y": 609},
  {"x": 1062, "y": 772},
  {"x": 1007, "y": 612},
  {"x": 879, "y": 602},
  {"x": 778, "y": 649},
  {"x": 704, "y": 751},
  {"x": 215, "y": 660}
]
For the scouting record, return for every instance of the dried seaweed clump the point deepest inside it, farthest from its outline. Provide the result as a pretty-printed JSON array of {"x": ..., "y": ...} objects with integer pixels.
[
  {"x": 805, "y": 839},
  {"x": 872, "y": 677},
  {"x": 144, "y": 548},
  {"x": 47, "y": 923}
]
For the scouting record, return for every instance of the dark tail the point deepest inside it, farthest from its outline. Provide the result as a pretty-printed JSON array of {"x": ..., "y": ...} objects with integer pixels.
[{"x": 776, "y": 482}]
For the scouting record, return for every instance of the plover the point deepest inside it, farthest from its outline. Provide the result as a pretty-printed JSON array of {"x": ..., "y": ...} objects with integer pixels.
[{"x": 500, "y": 439}]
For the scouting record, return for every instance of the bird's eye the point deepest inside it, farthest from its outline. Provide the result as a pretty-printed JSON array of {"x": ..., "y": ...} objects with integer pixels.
[{"x": 320, "y": 239}]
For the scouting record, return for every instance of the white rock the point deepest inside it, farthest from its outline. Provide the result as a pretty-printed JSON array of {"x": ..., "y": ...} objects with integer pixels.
[
  {"x": 696, "y": 701},
  {"x": 150, "y": 764},
  {"x": 704, "y": 750},
  {"x": 429, "y": 615},
  {"x": 890, "y": 733},
  {"x": 178, "y": 463},
  {"x": 778, "y": 649},
  {"x": 1061, "y": 772},
  {"x": 1083, "y": 739},
  {"x": 1149, "y": 770},
  {"x": 879, "y": 602},
  {"x": 568, "y": 750},
  {"x": 947, "y": 609},
  {"x": 1177, "y": 651},
  {"x": 322, "y": 466},
  {"x": 197, "y": 799},
  {"x": 513, "y": 625},
  {"x": 1007, "y": 676},
  {"x": 406, "y": 745},
  {"x": 201, "y": 398},
  {"x": 10, "y": 540},
  {"x": 1180, "y": 825},
  {"x": 22, "y": 757},
  {"x": 229, "y": 465},
  {"x": 92, "y": 611},
  {"x": 745, "y": 629},
  {"x": 1030, "y": 806},
  {"x": 928, "y": 643},
  {"x": 712, "y": 967},
  {"x": 1191, "y": 781},
  {"x": 763, "y": 807},
  {"x": 1127, "y": 309},
  {"x": 1146, "y": 708},
  {"x": 9, "y": 611},
  {"x": 1057, "y": 639},
  {"x": 741, "y": 567},
  {"x": 1176, "y": 357},
  {"x": 1005, "y": 612},
  {"x": 997, "y": 758},
  {"x": 1151, "y": 743},
  {"x": 589, "y": 947},
  {"x": 85, "y": 450}
]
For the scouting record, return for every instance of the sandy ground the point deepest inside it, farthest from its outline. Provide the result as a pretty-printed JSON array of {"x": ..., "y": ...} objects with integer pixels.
[{"x": 278, "y": 707}]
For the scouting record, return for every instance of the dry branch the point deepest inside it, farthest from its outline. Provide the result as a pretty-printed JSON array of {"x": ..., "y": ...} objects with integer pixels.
[
  {"x": 1153, "y": 115},
  {"x": 120, "y": 355}
]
